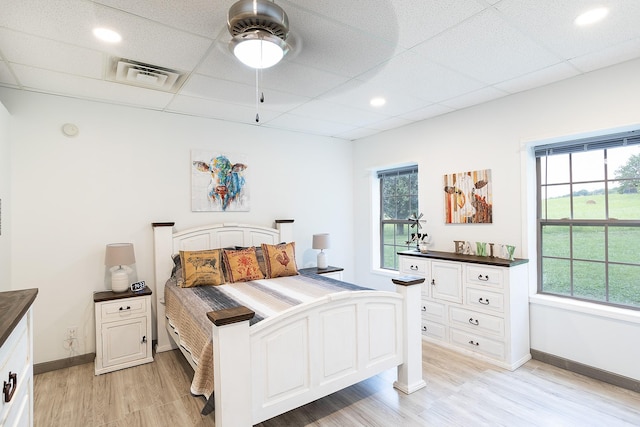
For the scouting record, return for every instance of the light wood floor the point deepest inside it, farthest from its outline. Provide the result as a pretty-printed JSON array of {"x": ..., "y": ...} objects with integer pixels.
[{"x": 460, "y": 392}]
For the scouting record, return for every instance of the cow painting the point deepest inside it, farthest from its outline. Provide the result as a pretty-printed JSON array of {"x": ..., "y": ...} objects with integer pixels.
[
  {"x": 226, "y": 186},
  {"x": 468, "y": 197}
]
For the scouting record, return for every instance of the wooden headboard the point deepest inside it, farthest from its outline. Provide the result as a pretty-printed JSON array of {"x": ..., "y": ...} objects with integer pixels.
[{"x": 166, "y": 243}]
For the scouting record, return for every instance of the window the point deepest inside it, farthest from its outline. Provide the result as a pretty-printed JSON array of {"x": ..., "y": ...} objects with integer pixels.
[
  {"x": 398, "y": 200},
  {"x": 589, "y": 219}
]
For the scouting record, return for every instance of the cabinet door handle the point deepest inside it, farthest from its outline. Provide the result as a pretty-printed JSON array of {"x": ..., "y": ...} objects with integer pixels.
[
  {"x": 424, "y": 308},
  {"x": 424, "y": 329},
  {"x": 413, "y": 267},
  {"x": 484, "y": 278},
  {"x": 144, "y": 339},
  {"x": 125, "y": 308},
  {"x": 10, "y": 387},
  {"x": 474, "y": 321},
  {"x": 483, "y": 301},
  {"x": 472, "y": 342},
  {"x": 433, "y": 282}
]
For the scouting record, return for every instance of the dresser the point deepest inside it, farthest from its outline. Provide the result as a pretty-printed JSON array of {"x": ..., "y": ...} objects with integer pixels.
[
  {"x": 16, "y": 357},
  {"x": 474, "y": 305},
  {"x": 123, "y": 329}
]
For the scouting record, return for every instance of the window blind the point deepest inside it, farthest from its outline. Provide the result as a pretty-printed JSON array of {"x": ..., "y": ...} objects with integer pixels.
[
  {"x": 398, "y": 171},
  {"x": 592, "y": 143}
]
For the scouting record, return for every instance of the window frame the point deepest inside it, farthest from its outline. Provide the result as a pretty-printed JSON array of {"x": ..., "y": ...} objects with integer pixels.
[
  {"x": 599, "y": 144},
  {"x": 411, "y": 170}
]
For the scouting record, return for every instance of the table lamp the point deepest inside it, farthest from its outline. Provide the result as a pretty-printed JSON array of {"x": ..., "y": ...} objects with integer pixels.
[
  {"x": 321, "y": 241},
  {"x": 118, "y": 259}
]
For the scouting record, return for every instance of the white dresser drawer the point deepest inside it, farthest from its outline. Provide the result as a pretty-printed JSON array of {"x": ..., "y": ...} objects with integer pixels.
[
  {"x": 121, "y": 309},
  {"x": 483, "y": 323},
  {"x": 413, "y": 265},
  {"x": 485, "y": 299},
  {"x": 15, "y": 359},
  {"x": 478, "y": 343},
  {"x": 434, "y": 330},
  {"x": 484, "y": 275},
  {"x": 434, "y": 311}
]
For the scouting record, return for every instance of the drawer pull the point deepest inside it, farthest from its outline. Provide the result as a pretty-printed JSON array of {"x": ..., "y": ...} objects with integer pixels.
[
  {"x": 424, "y": 308},
  {"x": 484, "y": 278},
  {"x": 424, "y": 329},
  {"x": 474, "y": 321},
  {"x": 433, "y": 282},
  {"x": 123, "y": 308},
  {"x": 144, "y": 339},
  {"x": 483, "y": 301},
  {"x": 10, "y": 387},
  {"x": 413, "y": 267},
  {"x": 472, "y": 342}
]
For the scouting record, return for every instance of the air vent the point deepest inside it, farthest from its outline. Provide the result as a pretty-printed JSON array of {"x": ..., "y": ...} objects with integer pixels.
[{"x": 148, "y": 76}]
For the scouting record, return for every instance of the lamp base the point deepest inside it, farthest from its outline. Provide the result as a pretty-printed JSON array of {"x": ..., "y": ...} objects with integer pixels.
[
  {"x": 322, "y": 260},
  {"x": 119, "y": 280}
]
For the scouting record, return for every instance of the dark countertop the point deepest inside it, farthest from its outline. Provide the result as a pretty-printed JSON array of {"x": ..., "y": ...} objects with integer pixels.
[
  {"x": 450, "y": 256},
  {"x": 110, "y": 295},
  {"x": 13, "y": 305}
]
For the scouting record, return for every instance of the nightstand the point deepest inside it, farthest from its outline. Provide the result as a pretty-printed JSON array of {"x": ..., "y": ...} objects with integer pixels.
[
  {"x": 330, "y": 271},
  {"x": 123, "y": 329}
]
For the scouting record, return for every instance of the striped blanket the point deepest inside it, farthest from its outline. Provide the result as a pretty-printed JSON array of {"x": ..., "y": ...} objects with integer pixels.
[{"x": 186, "y": 310}]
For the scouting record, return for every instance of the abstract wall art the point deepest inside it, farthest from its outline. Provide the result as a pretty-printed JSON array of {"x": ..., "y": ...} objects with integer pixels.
[
  {"x": 468, "y": 198},
  {"x": 219, "y": 182}
]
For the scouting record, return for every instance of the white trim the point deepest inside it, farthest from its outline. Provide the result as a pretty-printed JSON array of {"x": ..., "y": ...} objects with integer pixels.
[{"x": 585, "y": 307}]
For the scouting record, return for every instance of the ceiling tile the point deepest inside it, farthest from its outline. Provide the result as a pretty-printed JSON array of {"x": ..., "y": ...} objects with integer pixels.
[
  {"x": 479, "y": 96},
  {"x": 550, "y": 22},
  {"x": 427, "y": 112},
  {"x": 543, "y": 77},
  {"x": 43, "y": 53},
  {"x": 6, "y": 77},
  {"x": 493, "y": 56},
  {"x": 357, "y": 133},
  {"x": 82, "y": 87},
  {"x": 308, "y": 125},
  {"x": 338, "y": 113},
  {"x": 219, "y": 110},
  {"x": 603, "y": 58}
]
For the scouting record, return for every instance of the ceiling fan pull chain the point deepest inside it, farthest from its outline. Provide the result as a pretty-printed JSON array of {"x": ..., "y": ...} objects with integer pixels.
[{"x": 257, "y": 98}]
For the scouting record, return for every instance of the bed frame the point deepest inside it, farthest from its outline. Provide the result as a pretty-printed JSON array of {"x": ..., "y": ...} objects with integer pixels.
[{"x": 302, "y": 354}]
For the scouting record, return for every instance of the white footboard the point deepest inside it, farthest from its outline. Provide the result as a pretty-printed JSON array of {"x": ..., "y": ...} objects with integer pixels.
[{"x": 305, "y": 353}]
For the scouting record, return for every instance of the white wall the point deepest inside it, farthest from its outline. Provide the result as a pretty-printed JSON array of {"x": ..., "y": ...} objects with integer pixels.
[
  {"x": 128, "y": 168},
  {"x": 5, "y": 200},
  {"x": 494, "y": 136}
]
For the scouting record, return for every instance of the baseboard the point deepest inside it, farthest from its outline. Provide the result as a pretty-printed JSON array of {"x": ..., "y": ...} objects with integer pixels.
[
  {"x": 587, "y": 371},
  {"x": 41, "y": 368}
]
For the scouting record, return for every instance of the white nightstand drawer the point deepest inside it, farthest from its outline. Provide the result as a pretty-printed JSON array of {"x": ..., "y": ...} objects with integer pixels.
[
  {"x": 485, "y": 299},
  {"x": 414, "y": 265},
  {"x": 478, "y": 343},
  {"x": 123, "y": 308},
  {"x": 484, "y": 275},
  {"x": 484, "y": 323}
]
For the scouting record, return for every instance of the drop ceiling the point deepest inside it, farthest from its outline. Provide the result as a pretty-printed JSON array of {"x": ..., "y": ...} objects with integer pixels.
[{"x": 426, "y": 58}]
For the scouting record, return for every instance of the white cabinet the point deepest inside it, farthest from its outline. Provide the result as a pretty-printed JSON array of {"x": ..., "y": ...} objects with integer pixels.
[
  {"x": 16, "y": 358},
  {"x": 123, "y": 330},
  {"x": 476, "y": 305}
]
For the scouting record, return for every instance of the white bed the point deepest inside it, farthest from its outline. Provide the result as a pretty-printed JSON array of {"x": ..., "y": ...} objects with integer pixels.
[{"x": 301, "y": 354}]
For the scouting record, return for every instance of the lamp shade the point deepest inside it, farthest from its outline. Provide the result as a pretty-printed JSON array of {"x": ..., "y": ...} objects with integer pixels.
[
  {"x": 320, "y": 241},
  {"x": 119, "y": 254}
]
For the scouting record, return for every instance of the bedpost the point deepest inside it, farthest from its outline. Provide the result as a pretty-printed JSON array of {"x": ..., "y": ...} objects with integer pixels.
[
  {"x": 232, "y": 366},
  {"x": 410, "y": 372},
  {"x": 163, "y": 249},
  {"x": 285, "y": 226}
]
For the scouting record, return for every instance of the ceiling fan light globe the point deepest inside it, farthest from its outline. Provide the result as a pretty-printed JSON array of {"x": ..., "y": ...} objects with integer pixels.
[{"x": 257, "y": 50}]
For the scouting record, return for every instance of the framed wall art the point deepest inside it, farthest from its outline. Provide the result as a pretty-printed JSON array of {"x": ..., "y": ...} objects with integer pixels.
[
  {"x": 468, "y": 198},
  {"x": 219, "y": 182}
]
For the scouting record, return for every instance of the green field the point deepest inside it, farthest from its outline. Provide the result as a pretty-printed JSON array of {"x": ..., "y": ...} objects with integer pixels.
[{"x": 592, "y": 246}]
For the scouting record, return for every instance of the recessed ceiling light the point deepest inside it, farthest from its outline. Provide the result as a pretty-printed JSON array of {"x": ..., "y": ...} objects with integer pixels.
[
  {"x": 592, "y": 16},
  {"x": 107, "y": 35},
  {"x": 378, "y": 101}
]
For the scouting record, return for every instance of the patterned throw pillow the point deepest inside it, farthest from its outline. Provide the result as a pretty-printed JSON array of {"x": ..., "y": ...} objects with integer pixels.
[
  {"x": 242, "y": 265},
  {"x": 201, "y": 268},
  {"x": 280, "y": 259}
]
